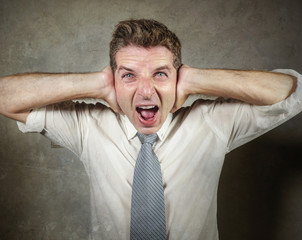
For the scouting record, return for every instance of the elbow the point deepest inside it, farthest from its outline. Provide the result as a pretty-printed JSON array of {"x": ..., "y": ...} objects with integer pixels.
[
  {"x": 7, "y": 107},
  {"x": 293, "y": 86},
  {"x": 11, "y": 112},
  {"x": 288, "y": 89},
  {"x": 281, "y": 93}
]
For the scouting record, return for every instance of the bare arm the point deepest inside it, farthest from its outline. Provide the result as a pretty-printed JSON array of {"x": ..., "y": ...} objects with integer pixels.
[
  {"x": 254, "y": 87},
  {"x": 19, "y": 94}
]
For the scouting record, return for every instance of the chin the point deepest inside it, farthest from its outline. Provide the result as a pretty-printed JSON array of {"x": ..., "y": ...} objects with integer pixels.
[
  {"x": 145, "y": 127},
  {"x": 147, "y": 130}
]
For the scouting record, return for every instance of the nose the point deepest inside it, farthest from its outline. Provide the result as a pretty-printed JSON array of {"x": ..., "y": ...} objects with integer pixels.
[{"x": 146, "y": 87}]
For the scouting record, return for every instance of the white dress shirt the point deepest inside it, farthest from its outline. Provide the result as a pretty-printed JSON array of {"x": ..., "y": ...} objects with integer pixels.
[{"x": 191, "y": 149}]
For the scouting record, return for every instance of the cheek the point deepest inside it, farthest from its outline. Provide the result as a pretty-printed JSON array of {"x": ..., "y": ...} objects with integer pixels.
[
  {"x": 119, "y": 93},
  {"x": 168, "y": 92},
  {"x": 123, "y": 96}
]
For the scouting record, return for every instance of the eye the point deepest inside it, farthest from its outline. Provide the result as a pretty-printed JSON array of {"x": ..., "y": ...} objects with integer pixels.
[
  {"x": 161, "y": 74},
  {"x": 128, "y": 75}
]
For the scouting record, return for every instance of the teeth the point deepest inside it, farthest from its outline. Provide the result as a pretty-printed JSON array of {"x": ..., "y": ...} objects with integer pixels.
[{"x": 147, "y": 107}]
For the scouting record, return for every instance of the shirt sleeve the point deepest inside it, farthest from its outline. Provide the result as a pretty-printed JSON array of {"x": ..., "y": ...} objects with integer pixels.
[
  {"x": 63, "y": 123},
  {"x": 237, "y": 123},
  {"x": 35, "y": 121}
]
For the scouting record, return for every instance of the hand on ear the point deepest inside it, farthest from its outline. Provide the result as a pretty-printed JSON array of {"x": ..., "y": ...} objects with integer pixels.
[
  {"x": 109, "y": 89},
  {"x": 182, "y": 92}
]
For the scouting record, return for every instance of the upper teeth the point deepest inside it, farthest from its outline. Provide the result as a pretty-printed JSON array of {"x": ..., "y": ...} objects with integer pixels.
[{"x": 147, "y": 107}]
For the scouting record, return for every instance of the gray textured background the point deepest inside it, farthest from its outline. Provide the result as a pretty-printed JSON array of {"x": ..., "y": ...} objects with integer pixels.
[{"x": 44, "y": 191}]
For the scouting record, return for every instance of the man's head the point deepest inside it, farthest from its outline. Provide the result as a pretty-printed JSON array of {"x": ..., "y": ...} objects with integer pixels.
[
  {"x": 145, "y": 57},
  {"x": 144, "y": 33}
]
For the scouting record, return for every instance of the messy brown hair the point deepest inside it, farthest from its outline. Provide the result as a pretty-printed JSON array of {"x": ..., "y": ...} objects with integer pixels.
[{"x": 144, "y": 33}]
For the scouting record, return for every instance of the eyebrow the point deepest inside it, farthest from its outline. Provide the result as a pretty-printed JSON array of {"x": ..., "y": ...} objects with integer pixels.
[
  {"x": 164, "y": 67},
  {"x": 124, "y": 68}
]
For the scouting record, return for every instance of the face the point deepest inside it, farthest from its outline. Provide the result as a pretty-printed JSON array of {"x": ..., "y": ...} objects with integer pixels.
[{"x": 145, "y": 83}]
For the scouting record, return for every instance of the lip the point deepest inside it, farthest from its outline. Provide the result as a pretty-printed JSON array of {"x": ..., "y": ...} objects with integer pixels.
[{"x": 150, "y": 122}]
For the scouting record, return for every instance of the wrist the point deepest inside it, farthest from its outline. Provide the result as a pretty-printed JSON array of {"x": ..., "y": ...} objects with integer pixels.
[
  {"x": 86, "y": 85},
  {"x": 104, "y": 84},
  {"x": 98, "y": 85},
  {"x": 194, "y": 81},
  {"x": 184, "y": 80}
]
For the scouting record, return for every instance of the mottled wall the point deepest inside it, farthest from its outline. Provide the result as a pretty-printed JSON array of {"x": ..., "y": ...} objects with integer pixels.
[{"x": 44, "y": 191}]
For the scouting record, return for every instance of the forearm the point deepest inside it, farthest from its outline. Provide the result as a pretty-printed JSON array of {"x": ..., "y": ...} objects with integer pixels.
[
  {"x": 23, "y": 92},
  {"x": 255, "y": 87}
]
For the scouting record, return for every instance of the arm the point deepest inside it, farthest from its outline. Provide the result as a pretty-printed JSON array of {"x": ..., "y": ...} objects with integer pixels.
[
  {"x": 19, "y": 94},
  {"x": 254, "y": 87}
]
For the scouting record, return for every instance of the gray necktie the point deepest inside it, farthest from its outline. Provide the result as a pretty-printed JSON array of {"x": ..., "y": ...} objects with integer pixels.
[{"x": 148, "y": 219}]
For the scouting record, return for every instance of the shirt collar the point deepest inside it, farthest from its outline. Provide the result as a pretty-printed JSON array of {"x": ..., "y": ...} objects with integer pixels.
[{"x": 131, "y": 130}]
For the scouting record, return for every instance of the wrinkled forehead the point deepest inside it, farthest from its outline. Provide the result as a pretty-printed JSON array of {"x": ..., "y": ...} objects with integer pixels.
[{"x": 153, "y": 57}]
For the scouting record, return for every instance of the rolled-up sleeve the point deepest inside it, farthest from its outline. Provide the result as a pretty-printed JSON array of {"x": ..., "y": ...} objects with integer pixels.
[
  {"x": 63, "y": 123},
  {"x": 238, "y": 123},
  {"x": 261, "y": 119},
  {"x": 35, "y": 121}
]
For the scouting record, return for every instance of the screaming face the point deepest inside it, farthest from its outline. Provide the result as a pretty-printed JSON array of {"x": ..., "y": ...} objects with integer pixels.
[{"x": 145, "y": 83}]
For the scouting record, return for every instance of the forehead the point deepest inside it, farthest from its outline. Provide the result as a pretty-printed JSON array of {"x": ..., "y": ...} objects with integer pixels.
[{"x": 144, "y": 57}]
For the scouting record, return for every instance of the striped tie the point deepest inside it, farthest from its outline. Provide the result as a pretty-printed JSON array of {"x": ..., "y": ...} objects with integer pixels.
[{"x": 148, "y": 219}]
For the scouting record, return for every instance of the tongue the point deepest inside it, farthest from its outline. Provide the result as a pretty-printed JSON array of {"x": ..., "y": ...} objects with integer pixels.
[{"x": 147, "y": 114}]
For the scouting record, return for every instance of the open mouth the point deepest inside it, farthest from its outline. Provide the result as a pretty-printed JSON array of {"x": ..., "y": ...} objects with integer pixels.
[{"x": 147, "y": 113}]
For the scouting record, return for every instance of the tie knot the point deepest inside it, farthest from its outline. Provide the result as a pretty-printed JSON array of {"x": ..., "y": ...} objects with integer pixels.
[{"x": 147, "y": 138}]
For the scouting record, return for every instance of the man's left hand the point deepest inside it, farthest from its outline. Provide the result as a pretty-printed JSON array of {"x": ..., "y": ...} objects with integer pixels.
[{"x": 182, "y": 89}]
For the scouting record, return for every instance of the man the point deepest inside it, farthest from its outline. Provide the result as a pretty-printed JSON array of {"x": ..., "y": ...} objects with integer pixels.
[{"x": 146, "y": 87}]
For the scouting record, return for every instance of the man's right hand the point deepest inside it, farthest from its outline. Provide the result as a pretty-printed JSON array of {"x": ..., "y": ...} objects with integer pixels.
[
  {"x": 108, "y": 90},
  {"x": 21, "y": 93}
]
